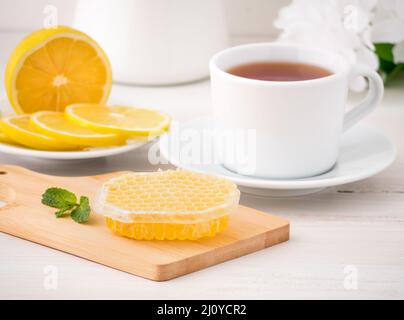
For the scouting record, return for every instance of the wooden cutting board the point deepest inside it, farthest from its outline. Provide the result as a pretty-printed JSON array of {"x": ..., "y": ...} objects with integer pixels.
[{"x": 25, "y": 217}]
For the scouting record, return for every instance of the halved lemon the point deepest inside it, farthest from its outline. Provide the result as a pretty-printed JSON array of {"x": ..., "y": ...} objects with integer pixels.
[
  {"x": 53, "y": 68},
  {"x": 18, "y": 129},
  {"x": 119, "y": 119},
  {"x": 55, "y": 125}
]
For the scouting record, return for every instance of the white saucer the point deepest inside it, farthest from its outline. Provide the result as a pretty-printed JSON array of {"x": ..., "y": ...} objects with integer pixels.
[{"x": 364, "y": 152}]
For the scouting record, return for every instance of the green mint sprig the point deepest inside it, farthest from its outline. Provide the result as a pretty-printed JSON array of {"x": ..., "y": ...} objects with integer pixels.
[{"x": 67, "y": 204}]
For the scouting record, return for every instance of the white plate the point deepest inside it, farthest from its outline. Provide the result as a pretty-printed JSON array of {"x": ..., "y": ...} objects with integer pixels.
[
  {"x": 62, "y": 155},
  {"x": 69, "y": 155},
  {"x": 364, "y": 152}
]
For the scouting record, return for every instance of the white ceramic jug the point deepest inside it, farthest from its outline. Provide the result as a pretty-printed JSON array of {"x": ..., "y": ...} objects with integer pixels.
[{"x": 155, "y": 42}]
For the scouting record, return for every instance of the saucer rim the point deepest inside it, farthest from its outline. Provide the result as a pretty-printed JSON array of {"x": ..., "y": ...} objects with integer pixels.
[{"x": 304, "y": 183}]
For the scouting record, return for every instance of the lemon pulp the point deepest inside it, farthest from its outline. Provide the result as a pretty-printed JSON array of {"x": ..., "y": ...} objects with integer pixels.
[
  {"x": 170, "y": 205},
  {"x": 119, "y": 119}
]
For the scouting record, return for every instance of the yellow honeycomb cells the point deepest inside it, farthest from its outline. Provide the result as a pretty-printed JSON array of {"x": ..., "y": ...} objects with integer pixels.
[{"x": 169, "y": 205}]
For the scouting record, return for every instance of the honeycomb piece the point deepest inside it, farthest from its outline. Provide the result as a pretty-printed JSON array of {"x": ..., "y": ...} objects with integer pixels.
[{"x": 169, "y": 205}]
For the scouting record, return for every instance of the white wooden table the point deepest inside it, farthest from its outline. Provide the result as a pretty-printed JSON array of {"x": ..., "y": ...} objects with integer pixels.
[{"x": 352, "y": 232}]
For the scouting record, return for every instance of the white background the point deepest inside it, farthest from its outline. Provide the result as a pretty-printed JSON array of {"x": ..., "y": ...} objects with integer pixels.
[
  {"x": 245, "y": 17},
  {"x": 248, "y": 21}
]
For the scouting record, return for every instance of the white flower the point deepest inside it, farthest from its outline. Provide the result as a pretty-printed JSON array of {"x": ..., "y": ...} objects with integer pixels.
[
  {"x": 388, "y": 22},
  {"x": 388, "y": 26},
  {"x": 338, "y": 25},
  {"x": 398, "y": 52}
]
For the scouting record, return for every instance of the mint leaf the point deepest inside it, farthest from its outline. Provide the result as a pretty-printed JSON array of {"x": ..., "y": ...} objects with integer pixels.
[
  {"x": 59, "y": 198},
  {"x": 63, "y": 212},
  {"x": 81, "y": 213},
  {"x": 66, "y": 202}
]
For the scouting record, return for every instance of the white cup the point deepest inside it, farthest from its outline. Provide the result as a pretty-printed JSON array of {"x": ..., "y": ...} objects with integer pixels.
[{"x": 298, "y": 124}]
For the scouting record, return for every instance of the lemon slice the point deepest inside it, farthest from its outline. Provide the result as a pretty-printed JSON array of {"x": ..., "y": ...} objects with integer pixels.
[
  {"x": 170, "y": 205},
  {"x": 53, "y": 68},
  {"x": 18, "y": 129},
  {"x": 55, "y": 125},
  {"x": 119, "y": 119},
  {"x": 4, "y": 138}
]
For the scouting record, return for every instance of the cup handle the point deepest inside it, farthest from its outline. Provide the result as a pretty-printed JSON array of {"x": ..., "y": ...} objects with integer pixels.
[{"x": 373, "y": 98}]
